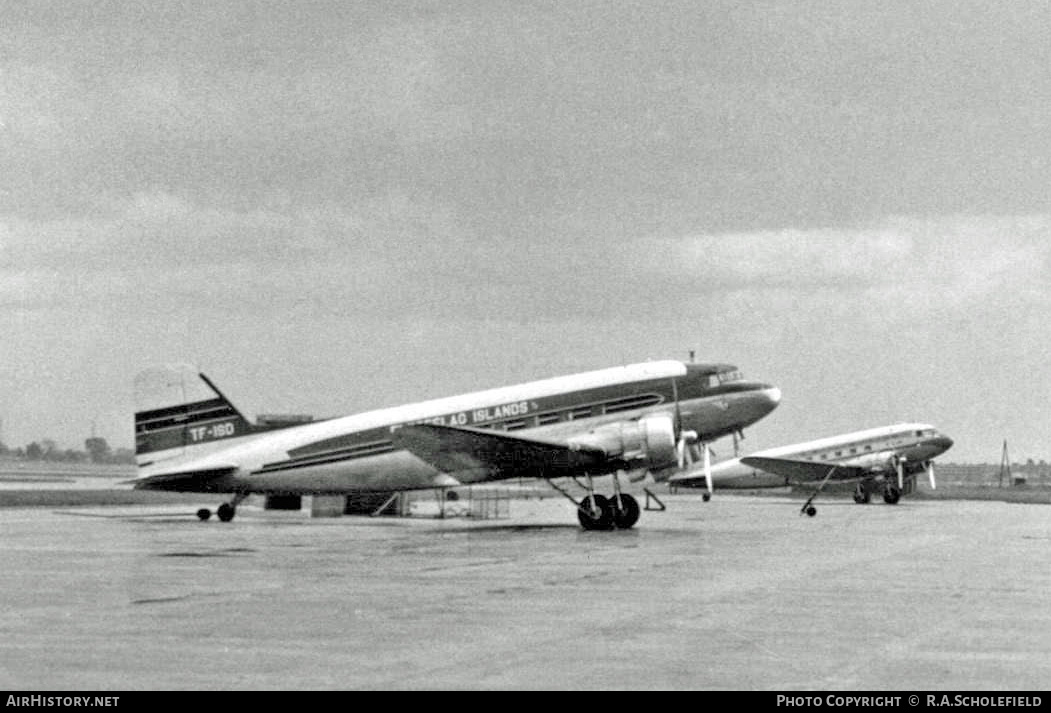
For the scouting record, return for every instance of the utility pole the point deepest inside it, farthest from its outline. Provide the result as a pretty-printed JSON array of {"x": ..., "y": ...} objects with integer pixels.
[{"x": 1005, "y": 465}]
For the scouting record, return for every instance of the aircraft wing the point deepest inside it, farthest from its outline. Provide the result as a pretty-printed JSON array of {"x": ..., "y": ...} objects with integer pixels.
[
  {"x": 804, "y": 471},
  {"x": 216, "y": 480},
  {"x": 451, "y": 449}
]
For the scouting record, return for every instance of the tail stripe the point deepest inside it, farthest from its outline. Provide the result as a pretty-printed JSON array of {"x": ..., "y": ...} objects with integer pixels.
[{"x": 185, "y": 414}]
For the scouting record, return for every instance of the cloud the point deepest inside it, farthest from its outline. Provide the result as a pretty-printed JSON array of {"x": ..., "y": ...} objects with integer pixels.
[{"x": 905, "y": 264}]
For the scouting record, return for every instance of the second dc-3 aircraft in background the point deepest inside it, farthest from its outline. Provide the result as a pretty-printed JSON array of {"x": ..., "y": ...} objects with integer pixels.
[
  {"x": 640, "y": 417},
  {"x": 878, "y": 459}
]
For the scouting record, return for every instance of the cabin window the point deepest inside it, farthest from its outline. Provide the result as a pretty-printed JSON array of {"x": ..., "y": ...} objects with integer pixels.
[
  {"x": 631, "y": 402},
  {"x": 582, "y": 412},
  {"x": 868, "y": 448},
  {"x": 839, "y": 453},
  {"x": 853, "y": 450}
]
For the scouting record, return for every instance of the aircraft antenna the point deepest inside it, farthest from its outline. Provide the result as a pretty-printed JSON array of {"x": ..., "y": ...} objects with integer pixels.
[{"x": 1005, "y": 465}]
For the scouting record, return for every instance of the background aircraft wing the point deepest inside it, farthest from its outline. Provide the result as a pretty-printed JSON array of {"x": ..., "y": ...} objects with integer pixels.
[
  {"x": 451, "y": 449},
  {"x": 803, "y": 471}
]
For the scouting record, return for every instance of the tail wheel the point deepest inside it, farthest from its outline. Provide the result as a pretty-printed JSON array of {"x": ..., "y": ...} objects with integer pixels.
[
  {"x": 811, "y": 511},
  {"x": 595, "y": 513},
  {"x": 628, "y": 513},
  {"x": 226, "y": 512}
]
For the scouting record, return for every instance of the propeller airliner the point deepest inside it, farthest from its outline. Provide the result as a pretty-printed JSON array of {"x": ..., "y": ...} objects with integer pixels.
[{"x": 640, "y": 417}]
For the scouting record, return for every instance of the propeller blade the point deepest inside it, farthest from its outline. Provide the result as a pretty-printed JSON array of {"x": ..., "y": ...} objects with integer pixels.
[
  {"x": 684, "y": 448},
  {"x": 707, "y": 468},
  {"x": 930, "y": 474}
]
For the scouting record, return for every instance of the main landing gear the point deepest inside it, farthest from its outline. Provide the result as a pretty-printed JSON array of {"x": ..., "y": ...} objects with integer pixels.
[
  {"x": 225, "y": 511},
  {"x": 891, "y": 495},
  {"x": 597, "y": 512},
  {"x": 863, "y": 494}
]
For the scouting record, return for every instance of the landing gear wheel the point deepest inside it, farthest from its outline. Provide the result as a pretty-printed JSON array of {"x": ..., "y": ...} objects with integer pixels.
[
  {"x": 891, "y": 495},
  {"x": 811, "y": 511},
  {"x": 226, "y": 512},
  {"x": 204, "y": 514},
  {"x": 595, "y": 513},
  {"x": 628, "y": 514},
  {"x": 861, "y": 495},
  {"x": 707, "y": 497}
]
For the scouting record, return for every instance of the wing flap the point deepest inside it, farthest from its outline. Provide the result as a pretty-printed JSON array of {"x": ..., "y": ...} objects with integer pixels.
[
  {"x": 451, "y": 449},
  {"x": 803, "y": 471}
]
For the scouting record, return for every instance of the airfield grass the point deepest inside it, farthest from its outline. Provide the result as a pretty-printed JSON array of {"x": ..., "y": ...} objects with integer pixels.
[{"x": 73, "y": 498}]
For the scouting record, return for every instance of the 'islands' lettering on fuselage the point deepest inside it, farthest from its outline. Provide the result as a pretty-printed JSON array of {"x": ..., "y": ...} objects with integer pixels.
[{"x": 479, "y": 415}]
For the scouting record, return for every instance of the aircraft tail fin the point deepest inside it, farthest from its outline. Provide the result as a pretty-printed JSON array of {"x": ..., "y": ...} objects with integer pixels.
[{"x": 179, "y": 410}]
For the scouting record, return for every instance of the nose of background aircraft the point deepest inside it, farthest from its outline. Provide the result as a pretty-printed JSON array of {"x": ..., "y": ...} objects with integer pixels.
[
  {"x": 943, "y": 443},
  {"x": 767, "y": 398},
  {"x": 774, "y": 395}
]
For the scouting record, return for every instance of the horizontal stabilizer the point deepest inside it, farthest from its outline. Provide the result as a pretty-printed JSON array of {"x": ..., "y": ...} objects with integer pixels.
[
  {"x": 451, "y": 449},
  {"x": 210, "y": 480},
  {"x": 803, "y": 471}
]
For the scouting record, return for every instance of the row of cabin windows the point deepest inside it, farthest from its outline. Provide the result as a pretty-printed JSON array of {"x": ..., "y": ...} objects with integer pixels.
[
  {"x": 838, "y": 454},
  {"x": 578, "y": 412}
]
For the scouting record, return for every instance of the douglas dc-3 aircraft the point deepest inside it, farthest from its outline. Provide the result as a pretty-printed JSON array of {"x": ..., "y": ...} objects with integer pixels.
[
  {"x": 872, "y": 458},
  {"x": 641, "y": 417}
]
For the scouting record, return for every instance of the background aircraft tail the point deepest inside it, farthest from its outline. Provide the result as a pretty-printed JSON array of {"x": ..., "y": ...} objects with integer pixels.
[{"x": 179, "y": 411}]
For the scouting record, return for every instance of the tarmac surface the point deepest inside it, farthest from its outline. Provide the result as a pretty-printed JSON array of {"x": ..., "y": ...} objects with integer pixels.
[{"x": 738, "y": 593}]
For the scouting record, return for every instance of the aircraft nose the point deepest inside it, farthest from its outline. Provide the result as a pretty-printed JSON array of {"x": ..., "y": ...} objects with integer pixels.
[
  {"x": 942, "y": 442},
  {"x": 773, "y": 394}
]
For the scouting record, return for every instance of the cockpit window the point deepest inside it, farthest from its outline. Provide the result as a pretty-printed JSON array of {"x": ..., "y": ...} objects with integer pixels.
[{"x": 725, "y": 376}]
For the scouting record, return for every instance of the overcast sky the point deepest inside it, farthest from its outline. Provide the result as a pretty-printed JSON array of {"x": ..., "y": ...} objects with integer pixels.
[{"x": 331, "y": 207}]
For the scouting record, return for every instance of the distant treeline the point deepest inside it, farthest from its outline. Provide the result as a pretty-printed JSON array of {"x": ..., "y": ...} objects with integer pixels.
[{"x": 96, "y": 450}]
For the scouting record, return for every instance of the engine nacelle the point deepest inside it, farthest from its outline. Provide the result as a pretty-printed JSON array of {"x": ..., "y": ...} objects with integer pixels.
[{"x": 648, "y": 442}]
